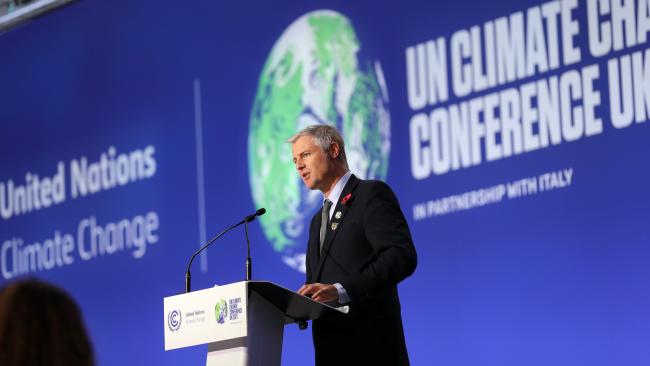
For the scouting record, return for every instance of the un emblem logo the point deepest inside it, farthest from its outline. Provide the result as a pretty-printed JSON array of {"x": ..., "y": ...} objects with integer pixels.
[{"x": 174, "y": 319}]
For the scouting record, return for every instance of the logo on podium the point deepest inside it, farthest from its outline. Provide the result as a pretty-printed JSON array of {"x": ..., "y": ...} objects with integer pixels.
[
  {"x": 221, "y": 311},
  {"x": 174, "y": 319}
]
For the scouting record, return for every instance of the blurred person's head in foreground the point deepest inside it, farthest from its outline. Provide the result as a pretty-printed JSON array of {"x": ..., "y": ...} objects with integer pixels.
[{"x": 41, "y": 324}]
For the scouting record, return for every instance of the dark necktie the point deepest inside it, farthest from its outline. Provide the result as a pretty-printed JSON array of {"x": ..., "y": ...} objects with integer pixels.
[{"x": 324, "y": 218}]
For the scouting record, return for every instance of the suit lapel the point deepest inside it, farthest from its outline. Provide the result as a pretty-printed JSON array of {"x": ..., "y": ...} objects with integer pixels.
[
  {"x": 334, "y": 226},
  {"x": 312, "y": 247}
]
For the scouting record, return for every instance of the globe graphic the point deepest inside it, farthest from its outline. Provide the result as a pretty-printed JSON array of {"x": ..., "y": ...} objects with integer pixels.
[{"x": 313, "y": 75}]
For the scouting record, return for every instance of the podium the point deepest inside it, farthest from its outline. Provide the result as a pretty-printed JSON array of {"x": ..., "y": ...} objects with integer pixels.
[{"x": 242, "y": 323}]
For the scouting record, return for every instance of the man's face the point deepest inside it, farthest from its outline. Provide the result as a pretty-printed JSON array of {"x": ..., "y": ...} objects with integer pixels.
[{"x": 312, "y": 163}]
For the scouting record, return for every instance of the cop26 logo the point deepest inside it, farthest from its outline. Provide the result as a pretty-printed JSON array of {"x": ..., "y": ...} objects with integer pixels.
[
  {"x": 221, "y": 311},
  {"x": 174, "y": 319}
]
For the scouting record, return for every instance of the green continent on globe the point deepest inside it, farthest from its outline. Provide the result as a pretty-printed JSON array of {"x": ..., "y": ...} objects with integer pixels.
[{"x": 312, "y": 76}]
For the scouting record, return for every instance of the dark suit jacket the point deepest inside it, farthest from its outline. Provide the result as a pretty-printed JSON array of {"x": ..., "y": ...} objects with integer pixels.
[{"x": 369, "y": 252}]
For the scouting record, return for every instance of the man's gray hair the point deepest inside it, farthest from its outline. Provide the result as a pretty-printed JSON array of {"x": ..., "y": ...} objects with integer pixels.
[{"x": 324, "y": 136}]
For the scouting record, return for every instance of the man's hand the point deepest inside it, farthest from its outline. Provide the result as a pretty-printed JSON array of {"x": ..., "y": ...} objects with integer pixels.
[{"x": 320, "y": 292}]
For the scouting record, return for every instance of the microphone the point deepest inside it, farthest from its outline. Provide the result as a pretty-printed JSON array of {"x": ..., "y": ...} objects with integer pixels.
[
  {"x": 249, "y": 218},
  {"x": 259, "y": 212}
]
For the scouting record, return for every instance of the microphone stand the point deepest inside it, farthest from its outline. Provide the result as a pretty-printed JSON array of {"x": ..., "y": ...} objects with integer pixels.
[
  {"x": 188, "y": 275},
  {"x": 249, "y": 265}
]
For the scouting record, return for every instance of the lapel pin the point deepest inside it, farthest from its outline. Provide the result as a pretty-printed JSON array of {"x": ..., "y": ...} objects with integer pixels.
[
  {"x": 338, "y": 214},
  {"x": 335, "y": 225}
]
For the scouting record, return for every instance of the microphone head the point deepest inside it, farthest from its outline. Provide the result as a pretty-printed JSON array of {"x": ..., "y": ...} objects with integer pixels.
[{"x": 252, "y": 217}]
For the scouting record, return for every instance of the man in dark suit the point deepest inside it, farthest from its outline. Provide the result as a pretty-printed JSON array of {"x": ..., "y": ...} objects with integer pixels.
[{"x": 359, "y": 249}]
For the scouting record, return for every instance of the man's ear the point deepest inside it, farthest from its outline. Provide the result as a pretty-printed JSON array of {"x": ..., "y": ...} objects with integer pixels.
[{"x": 334, "y": 150}]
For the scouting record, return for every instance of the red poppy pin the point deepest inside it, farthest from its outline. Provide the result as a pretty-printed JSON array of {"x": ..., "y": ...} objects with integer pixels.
[{"x": 347, "y": 198}]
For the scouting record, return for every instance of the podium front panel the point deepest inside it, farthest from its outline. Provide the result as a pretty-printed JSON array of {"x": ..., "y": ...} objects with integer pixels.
[{"x": 206, "y": 316}]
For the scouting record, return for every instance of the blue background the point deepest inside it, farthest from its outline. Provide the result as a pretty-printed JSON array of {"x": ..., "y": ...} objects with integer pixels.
[{"x": 557, "y": 278}]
